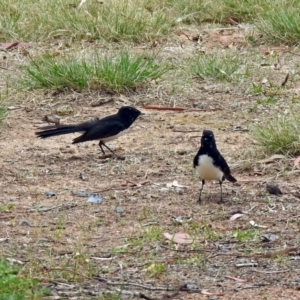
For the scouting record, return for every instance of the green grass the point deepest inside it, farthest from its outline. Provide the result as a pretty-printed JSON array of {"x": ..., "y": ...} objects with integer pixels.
[
  {"x": 3, "y": 113},
  {"x": 280, "y": 23},
  {"x": 280, "y": 135},
  {"x": 13, "y": 287},
  {"x": 110, "y": 20},
  {"x": 217, "y": 66},
  {"x": 245, "y": 235},
  {"x": 113, "y": 73}
]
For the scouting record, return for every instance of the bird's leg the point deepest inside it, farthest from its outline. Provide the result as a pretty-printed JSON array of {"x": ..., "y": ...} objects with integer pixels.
[
  {"x": 113, "y": 152},
  {"x": 100, "y": 145},
  {"x": 221, "y": 199},
  {"x": 203, "y": 182}
]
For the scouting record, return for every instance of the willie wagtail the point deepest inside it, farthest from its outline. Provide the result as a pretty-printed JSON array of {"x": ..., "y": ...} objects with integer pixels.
[
  {"x": 210, "y": 164},
  {"x": 104, "y": 130}
]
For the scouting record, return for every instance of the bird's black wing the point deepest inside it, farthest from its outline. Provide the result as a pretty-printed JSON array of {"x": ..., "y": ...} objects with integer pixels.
[
  {"x": 220, "y": 162},
  {"x": 100, "y": 129}
]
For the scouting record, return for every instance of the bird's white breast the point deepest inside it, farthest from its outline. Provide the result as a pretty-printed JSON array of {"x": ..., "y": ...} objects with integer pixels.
[
  {"x": 113, "y": 137},
  {"x": 207, "y": 170}
]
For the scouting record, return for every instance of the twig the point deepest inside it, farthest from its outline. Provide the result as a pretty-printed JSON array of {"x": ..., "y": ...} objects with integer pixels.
[
  {"x": 179, "y": 109},
  {"x": 285, "y": 79},
  {"x": 60, "y": 207},
  {"x": 270, "y": 272},
  {"x": 246, "y": 265},
  {"x": 143, "y": 286},
  {"x": 163, "y": 107},
  {"x": 100, "y": 103},
  {"x": 186, "y": 131},
  {"x": 276, "y": 253}
]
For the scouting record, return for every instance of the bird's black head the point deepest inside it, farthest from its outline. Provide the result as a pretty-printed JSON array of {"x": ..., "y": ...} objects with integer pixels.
[
  {"x": 208, "y": 139},
  {"x": 128, "y": 114}
]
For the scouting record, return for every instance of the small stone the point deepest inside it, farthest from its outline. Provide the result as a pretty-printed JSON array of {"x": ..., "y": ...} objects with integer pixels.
[
  {"x": 273, "y": 189},
  {"x": 119, "y": 210},
  {"x": 25, "y": 223},
  {"x": 50, "y": 194},
  {"x": 95, "y": 199},
  {"x": 269, "y": 237},
  {"x": 182, "y": 152}
]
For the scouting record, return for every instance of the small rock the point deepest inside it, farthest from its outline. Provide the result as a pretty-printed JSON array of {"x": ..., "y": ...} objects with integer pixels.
[
  {"x": 182, "y": 152},
  {"x": 25, "y": 223},
  {"x": 82, "y": 193},
  {"x": 95, "y": 199},
  {"x": 82, "y": 176},
  {"x": 50, "y": 194},
  {"x": 119, "y": 210},
  {"x": 273, "y": 189},
  {"x": 269, "y": 237}
]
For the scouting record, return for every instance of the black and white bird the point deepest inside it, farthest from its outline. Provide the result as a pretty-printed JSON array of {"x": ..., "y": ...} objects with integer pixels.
[
  {"x": 104, "y": 130},
  {"x": 210, "y": 164}
]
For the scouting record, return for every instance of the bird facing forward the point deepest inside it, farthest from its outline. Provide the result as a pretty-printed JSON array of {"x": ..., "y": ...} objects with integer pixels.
[
  {"x": 104, "y": 130},
  {"x": 210, "y": 164}
]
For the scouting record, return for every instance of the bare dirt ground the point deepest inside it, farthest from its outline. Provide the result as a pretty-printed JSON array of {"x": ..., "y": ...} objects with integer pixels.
[{"x": 80, "y": 249}]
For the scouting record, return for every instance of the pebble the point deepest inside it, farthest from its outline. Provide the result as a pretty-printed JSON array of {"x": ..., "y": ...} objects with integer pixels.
[
  {"x": 50, "y": 194},
  {"x": 25, "y": 223}
]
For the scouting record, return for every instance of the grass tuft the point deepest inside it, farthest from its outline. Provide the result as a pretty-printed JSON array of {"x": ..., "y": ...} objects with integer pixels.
[
  {"x": 280, "y": 135},
  {"x": 215, "y": 66},
  {"x": 13, "y": 287},
  {"x": 113, "y": 73},
  {"x": 280, "y": 23}
]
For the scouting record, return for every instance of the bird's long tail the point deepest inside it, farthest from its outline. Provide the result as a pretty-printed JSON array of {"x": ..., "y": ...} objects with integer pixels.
[
  {"x": 62, "y": 129},
  {"x": 230, "y": 178}
]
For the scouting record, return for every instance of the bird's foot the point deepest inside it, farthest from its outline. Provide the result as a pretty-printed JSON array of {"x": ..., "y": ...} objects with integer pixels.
[
  {"x": 111, "y": 155},
  {"x": 119, "y": 157},
  {"x": 104, "y": 156},
  {"x": 221, "y": 201},
  {"x": 199, "y": 201}
]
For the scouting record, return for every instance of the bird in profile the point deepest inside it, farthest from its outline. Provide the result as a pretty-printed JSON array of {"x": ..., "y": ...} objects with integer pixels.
[
  {"x": 104, "y": 130},
  {"x": 210, "y": 164}
]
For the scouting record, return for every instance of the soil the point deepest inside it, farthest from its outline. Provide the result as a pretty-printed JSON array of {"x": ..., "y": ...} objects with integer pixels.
[{"x": 80, "y": 249}]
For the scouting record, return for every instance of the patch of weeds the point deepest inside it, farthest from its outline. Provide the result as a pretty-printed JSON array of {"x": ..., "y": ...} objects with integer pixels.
[
  {"x": 215, "y": 66},
  {"x": 152, "y": 233},
  {"x": 279, "y": 135},
  {"x": 193, "y": 260},
  {"x": 113, "y": 73},
  {"x": 208, "y": 232},
  {"x": 156, "y": 269},
  {"x": 6, "y": 207},
  {"x": 264, "y": 101},
  {"x": 237, "y": 11},
  {"x": 13, "y": 287},
  {"x": 64, "y": 110},
  {"x": 280, "y": 23},
  {"x": 283, "y": 260},
  {"x": 124, "y": 20},
  {"x": 127, "y": 71},
  {"x": 3, "y": 113},
  {"x": 257, "y": 88},
  {"x": 59, "y": 73},
  {"x": 110, "y": 296},
  {"x": 244, "y": 235}
]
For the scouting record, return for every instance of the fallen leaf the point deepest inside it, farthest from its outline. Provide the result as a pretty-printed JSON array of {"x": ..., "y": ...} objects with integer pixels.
[
  {"x": 176, "y": 184},
  {"x": 271, "y": 158},
  {"x": 235, "y": 216},
  {"x": 235, "y": 278},
  {"x": 205, "y": 292},
  {"x": 252, "y": 223},
  {"x": 296, "y": 161},
  {"x": 179, "y": 238},
  {"x": 163, "y": 107}
]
